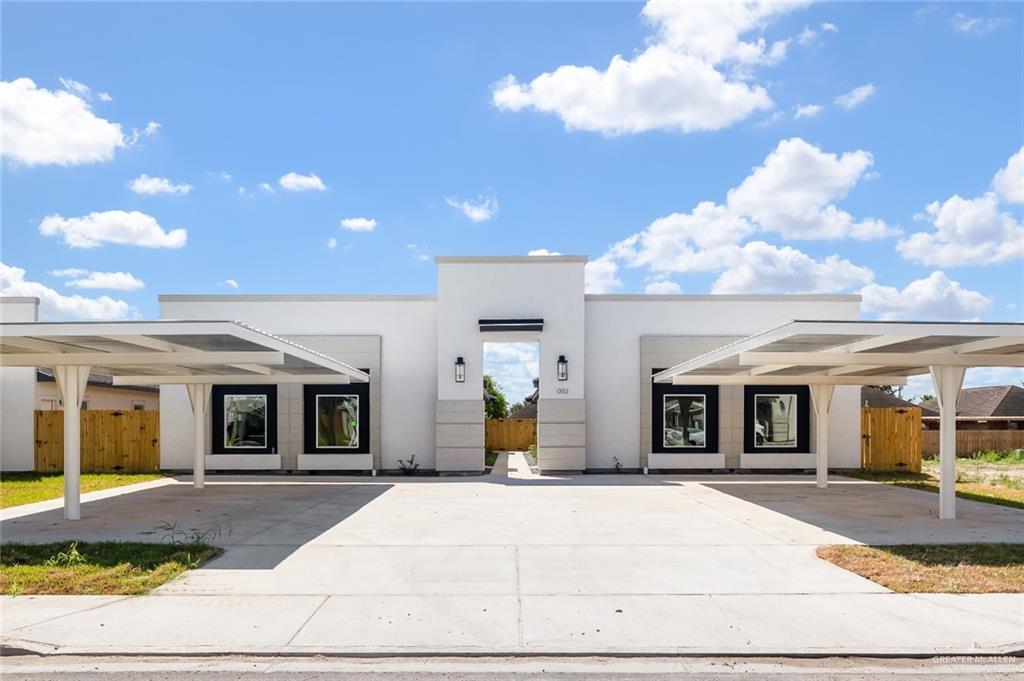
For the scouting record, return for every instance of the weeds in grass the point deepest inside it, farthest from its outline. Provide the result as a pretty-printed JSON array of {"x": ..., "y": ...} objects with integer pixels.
[
  {"x": 66, "y": 559},
  {"x": 194, "y": 536}
]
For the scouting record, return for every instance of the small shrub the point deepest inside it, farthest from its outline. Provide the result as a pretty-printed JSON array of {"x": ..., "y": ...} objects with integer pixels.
[
  {"x": 618, "y": 464},
  {"x": 66, "y": 559},
  {"x": 409, "y": 466},
  {"x": 194, "y": 536}
]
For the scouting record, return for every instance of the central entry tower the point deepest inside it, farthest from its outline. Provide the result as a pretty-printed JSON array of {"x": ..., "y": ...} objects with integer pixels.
[{"x": 525, "y": 298}]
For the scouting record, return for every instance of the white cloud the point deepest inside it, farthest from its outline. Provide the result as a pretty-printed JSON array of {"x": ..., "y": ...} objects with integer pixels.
[
  {"x": 359, "y": 224},
  {"x": 513, "y": 366},
  {"x": 294, "y": 182},
  {"x": 231, "y": 283},
  {"x": 43, "y": 127},
  {"x": 665, "y": 286},
  {"x": 601, "y": 275},
  {"x": 808, "y": 111},
  {"x": 1009, "y": 181},
  {"x": 695, "y": 74},
  {"x": 856, "y": 96},
  {"x": 117, "y": 281},
  {"x": 791, "y": 193},
  {"x": 759, "y": 267},
  {"x": 967, "y": 232},
  {"x": 810, "y": 36},
  {"x": 934, "y": 297},
  {"x": 112, "y": 226},
  {"x": 965, "y": 23},
  {"x": 56, "y": 306},
  {"x": 266, "y": 188},
  {"x": 332, "y": 243},
  {"x": 543, "y": 251},
  {"x": 104, "y": 97},
  {"x": 481, "y": 210},
  {"x": 151, "y": 129},
  {"x": 75, "y": 87},
  {"x": 219, "y": 175},
  {"x": 144, "y": 184}
]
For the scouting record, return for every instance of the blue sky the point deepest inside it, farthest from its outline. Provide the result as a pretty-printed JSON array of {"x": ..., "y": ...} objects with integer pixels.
[{"x": 872, "y": 148}]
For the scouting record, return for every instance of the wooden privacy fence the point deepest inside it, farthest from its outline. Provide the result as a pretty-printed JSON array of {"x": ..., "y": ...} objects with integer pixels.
[
  {"x": 510, "y": 434},
  {"x": 890, "y": 439},
  {"x": 127, "y": 441},
  {"x": 970, "y": 441}
]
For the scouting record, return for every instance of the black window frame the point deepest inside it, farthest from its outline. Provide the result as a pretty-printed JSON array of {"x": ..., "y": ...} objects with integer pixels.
[
  {"x": 711, "y": 421},
  {"x": 803, "y": 418},
  {"x": 309, "y": 394},
  {"x": 217, "y": 395}
]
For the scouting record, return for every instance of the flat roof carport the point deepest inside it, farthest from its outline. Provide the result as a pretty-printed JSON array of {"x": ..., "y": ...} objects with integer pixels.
[
  {"x": 196, "y": 354},
  {"x": 824, "y": 354}
]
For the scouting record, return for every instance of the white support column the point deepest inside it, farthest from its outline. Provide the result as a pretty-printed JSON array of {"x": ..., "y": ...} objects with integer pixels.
[
  {"x": 71, "y": 383},
  {"x": 199, "y": 396},
  {"x": 948, "y": 381},
  {"x": 821, "y": 396}
]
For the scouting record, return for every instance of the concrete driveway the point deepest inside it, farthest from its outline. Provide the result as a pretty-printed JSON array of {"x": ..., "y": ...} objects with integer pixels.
[{"x": 516, "y": 563}]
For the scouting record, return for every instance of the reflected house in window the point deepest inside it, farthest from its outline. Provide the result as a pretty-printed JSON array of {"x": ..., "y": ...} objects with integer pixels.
[
  {"x": 245, "y": 421},
  {"x": 337, "y": 421},
  {"x": 685, "y": 417},
  {"x": 775, "y": 421}
]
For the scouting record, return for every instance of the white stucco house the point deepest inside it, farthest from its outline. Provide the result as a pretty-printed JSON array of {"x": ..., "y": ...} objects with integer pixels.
[
  {"x": 604, "y": 408},
  {"x": 363, "y": 383}
]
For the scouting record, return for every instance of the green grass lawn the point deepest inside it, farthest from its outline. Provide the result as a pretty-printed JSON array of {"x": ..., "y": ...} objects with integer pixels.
[
  {"x": 26, "y": 488},
  {"x": 101, "y": 568},
  {"x": 941, "y": 568},
  {"x": 991, "y": 477}
]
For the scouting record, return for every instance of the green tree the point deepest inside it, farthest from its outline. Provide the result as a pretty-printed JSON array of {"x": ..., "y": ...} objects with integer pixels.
[{"x": 495, "y": 404}]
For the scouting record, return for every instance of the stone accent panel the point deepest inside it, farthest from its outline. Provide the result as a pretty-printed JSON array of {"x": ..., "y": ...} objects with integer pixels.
[
  {"x": 662, "y": 352},
  {"x": 459, "y": 436},
  {"x": 361, "y": 352},
  {"x": 561, "y": 435}
]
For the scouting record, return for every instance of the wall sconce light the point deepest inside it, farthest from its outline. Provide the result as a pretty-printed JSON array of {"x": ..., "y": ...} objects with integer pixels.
[
  {"x": 563, "y": 368},
  {"x": 460, "y": 370}
]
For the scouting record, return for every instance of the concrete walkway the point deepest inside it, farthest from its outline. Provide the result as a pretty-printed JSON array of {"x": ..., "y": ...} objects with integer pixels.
[{"x": 518, "y": 564}]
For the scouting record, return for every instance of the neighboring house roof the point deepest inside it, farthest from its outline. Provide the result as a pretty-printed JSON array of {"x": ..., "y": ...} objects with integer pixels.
[
  {"x": 873, "y": 397},
  {"x": 986, "y": 402},
  {"x": 527, "y": 411},
  {"x": 99, "y": 380},
  {"x": 529, "y": 408}
]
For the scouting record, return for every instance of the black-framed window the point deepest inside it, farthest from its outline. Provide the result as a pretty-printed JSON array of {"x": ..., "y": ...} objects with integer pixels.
[
  {"x": 336, "y": 419},
  {"x": 776, "y": 419},
  {"x": 684, "y": 418},
  {"x": 244, "y": 419}
]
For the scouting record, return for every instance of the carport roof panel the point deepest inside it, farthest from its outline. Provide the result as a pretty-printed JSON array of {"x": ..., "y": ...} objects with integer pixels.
[
  {"x": 861, "y": 338},
  {"x": 119, "y": 348}
]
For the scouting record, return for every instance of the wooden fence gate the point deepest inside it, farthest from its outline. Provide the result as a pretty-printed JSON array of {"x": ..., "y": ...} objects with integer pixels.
[
  {"x": 890, "y": 439},
  {"x": 125, "y": 441},
  {"x": 510, "y": 435}
]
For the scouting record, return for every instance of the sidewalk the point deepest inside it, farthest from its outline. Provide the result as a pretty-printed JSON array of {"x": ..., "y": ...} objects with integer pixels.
[{"x": 811, "y": 624}]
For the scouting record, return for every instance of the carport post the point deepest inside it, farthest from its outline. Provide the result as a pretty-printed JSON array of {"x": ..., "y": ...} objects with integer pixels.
[
  {"x": 821, "y": 396},
  {"x": 948, "y": 381},
  {"x": 199, "y": 397},
  {"x": 71, "y": 382}
]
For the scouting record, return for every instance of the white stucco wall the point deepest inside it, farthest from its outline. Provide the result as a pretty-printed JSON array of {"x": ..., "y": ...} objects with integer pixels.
[
  {"x": 615, "y": 324},
  {"x": 17, "y": 396},
  {"x": 470, "y": 289},
  {"x": 408, "y": 329}
]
